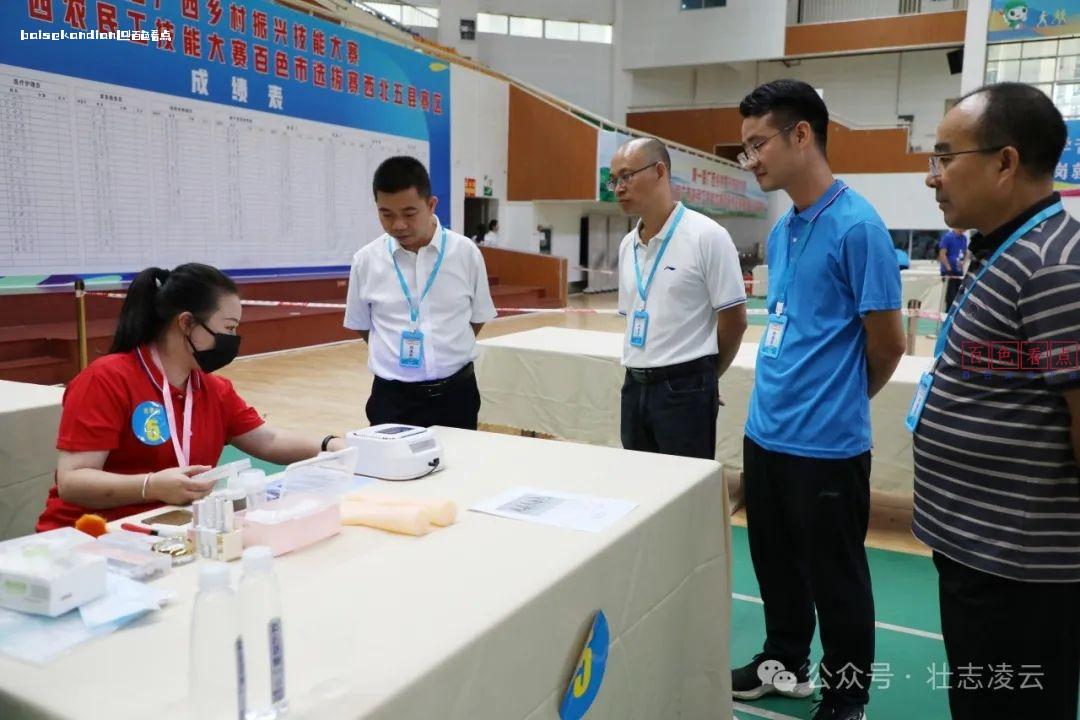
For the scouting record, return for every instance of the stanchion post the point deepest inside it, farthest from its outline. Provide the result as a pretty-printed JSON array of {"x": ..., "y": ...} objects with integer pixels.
[
  {"x": 80, "y": 321},
  {"x": 913, "y": 307}
]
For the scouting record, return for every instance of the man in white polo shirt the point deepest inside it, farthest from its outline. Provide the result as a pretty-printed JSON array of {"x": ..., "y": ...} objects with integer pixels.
[
  {"x": 418, "y": 295},
  {"x": 682, "y": 292}
]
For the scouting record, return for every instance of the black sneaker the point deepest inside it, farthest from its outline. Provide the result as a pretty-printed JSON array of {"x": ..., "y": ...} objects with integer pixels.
[
  {"x": 830, "y": 708},
  {"x": 765, "y": 675}
]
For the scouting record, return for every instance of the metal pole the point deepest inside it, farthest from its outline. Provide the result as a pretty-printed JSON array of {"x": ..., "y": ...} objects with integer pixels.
[
  {"x": 913, "y": 307},
  {"x": 942, "y": 307},
  {"x": 80, "y": 321}
]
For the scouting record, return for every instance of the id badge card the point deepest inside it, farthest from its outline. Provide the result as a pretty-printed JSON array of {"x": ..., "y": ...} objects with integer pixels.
[
  {"x": 639, "y": 328},
  {"x": 918, "y": 402},
  {"x": 774, "y": 336},
  {"x": 412, "y": 348}
]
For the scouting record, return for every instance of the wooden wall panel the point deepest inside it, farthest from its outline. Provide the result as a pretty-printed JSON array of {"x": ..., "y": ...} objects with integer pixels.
[
  {"x": 946, "y": 28},
  {"x": 513, "y": 267},
  {"x": 850, "y": 151},
  {"x": 703, "y": 129},
  {"x": 552, "y": 154}
]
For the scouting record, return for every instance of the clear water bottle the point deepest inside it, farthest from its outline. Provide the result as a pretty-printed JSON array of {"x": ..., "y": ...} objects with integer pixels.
[
  {"x": 216, "y": 680},
  {"x": 260, "y": 603}
]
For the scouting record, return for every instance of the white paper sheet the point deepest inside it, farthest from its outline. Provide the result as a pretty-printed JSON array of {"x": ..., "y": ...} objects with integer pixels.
[{"x": 556, "y": 509}]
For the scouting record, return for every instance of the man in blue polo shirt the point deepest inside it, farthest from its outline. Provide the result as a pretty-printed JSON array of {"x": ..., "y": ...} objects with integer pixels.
[
  {"x": 832, "y": 341},
  {"x": 951, "y": 251}
]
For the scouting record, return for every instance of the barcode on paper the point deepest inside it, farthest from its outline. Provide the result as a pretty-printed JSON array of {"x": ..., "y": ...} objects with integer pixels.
[{"x": 532, "y": 505}]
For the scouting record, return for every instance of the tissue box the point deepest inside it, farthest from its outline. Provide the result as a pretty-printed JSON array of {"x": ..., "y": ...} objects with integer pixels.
[
  {"x": 292, "y": 522},
  {"x": 42, "y": 574}
]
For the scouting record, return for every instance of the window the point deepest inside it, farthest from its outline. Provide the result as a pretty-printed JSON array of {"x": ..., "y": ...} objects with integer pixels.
[
  {"x": 420, "y": 16},
  {"x": 1052, "y": 66},
  {"x": 1068, "y": 68},
  {"x": 488, "y": 23},
  {"x": 527, "y": 27},
  {"x": 1039, "y": 70},
  {"x": 1067, "y": 99},
  {"x": 497, "y": 24},
  {"x": 699, "y": 4},
  {"x": 1041, "y": 48},
  {"x": 561, "y": 30},
  {"x": 596, "y": 33},
  {"x": 390, "y": 10}
]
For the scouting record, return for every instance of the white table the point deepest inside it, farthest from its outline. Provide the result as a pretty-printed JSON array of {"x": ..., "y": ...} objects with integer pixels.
[
  {"x": 29, "y": 418},
  {"x": 566, "y": 383},
  {"x": 760, "y": 275},
  {"x": 481, "y": 620}
]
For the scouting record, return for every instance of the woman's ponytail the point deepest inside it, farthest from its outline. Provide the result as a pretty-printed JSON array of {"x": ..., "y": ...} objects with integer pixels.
[{"x": 139, "y": 322}]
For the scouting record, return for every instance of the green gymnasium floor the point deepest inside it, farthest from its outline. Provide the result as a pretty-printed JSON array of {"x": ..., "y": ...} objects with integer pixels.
[{"x": 909, "y": 645}]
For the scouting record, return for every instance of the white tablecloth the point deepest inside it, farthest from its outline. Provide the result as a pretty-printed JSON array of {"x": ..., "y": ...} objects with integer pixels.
[
  {"x": 566, "y": 383},
  {"x": 924, "y": 285},
  {"x": 481, "y": 620},
  {"x": 29, "y": 418}
]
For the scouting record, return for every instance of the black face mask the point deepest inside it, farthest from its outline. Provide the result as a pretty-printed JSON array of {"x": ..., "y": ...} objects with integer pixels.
[{"x": 226, "y": 348}]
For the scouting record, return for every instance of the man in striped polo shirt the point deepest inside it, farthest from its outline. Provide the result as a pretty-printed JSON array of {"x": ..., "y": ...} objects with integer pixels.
[{"x": 997, "y": 442}]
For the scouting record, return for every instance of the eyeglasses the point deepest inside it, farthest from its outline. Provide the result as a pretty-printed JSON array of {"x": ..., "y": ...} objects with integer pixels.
[
  {"x": 750, "y": 156},
  {"x": 937, "y": 163},
  {"x": 624, "y": 178}
]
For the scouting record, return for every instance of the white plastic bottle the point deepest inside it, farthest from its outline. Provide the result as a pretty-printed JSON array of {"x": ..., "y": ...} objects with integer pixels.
[
  {"x": 260, "y": 603},
  {"x": 216, "y": 682}
]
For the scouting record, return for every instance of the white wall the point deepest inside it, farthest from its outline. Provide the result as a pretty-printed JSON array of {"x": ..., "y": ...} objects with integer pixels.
[
  {"x": 578, "y": 72},
  {"x": 663, "y": 35},
  {"x": 902, "y": 199},
  {"x": 874, "y": 90},
  {"x": 594, "y": 11},
  {"x": 863, "y": 91},
  {"x": 479, "y": 133},
  {"x": 519, "y": 220}
]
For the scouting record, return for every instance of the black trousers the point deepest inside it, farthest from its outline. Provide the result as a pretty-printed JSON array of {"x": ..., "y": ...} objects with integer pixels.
[
  {"x": 951, "y": 288},
  {"x": 1013, "y": 647},
  {"x": 806, "y": 519},
  {"x": 453, "y": 402},
  {"x": 675, "y": 416}
]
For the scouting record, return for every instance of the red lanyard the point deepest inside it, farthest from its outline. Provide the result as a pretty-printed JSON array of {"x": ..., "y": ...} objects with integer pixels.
[{"x": 181, "y": 447}]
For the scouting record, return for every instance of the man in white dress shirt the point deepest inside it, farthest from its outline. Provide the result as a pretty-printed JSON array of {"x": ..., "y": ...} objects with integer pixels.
[
  {"x": 682, "y": 292},
  {"x": 418, "y": 295}
]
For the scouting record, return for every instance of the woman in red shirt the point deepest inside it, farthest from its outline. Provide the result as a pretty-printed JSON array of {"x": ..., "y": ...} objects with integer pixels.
[{"x": 138, "y": 423}]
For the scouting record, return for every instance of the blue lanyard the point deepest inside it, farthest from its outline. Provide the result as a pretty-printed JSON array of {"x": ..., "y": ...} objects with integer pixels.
[
  {"x": 414, "y": 308},
  {"x": 793, "y": 260},
  {"x": 942, "y": 341},
  {"x": 643, "y": 288}
]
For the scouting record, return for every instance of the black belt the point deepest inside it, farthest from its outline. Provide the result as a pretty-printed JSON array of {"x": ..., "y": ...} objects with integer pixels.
[
  {"x": 430, "y": 388},
  {"x": 648, "y": 376}
]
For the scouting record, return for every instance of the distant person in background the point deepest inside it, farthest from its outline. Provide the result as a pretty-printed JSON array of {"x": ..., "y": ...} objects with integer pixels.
[
  {"x": 952, "y": 251},
  {"x": 478, "y": 236},
  {"x": 491, "y": 238}
]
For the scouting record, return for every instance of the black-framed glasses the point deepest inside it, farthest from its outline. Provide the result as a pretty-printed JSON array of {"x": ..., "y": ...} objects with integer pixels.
[
  {"x": 624, "y": 178},
  {"x": 749, "y": 156},
  {"x": 936, "y": 165}
]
